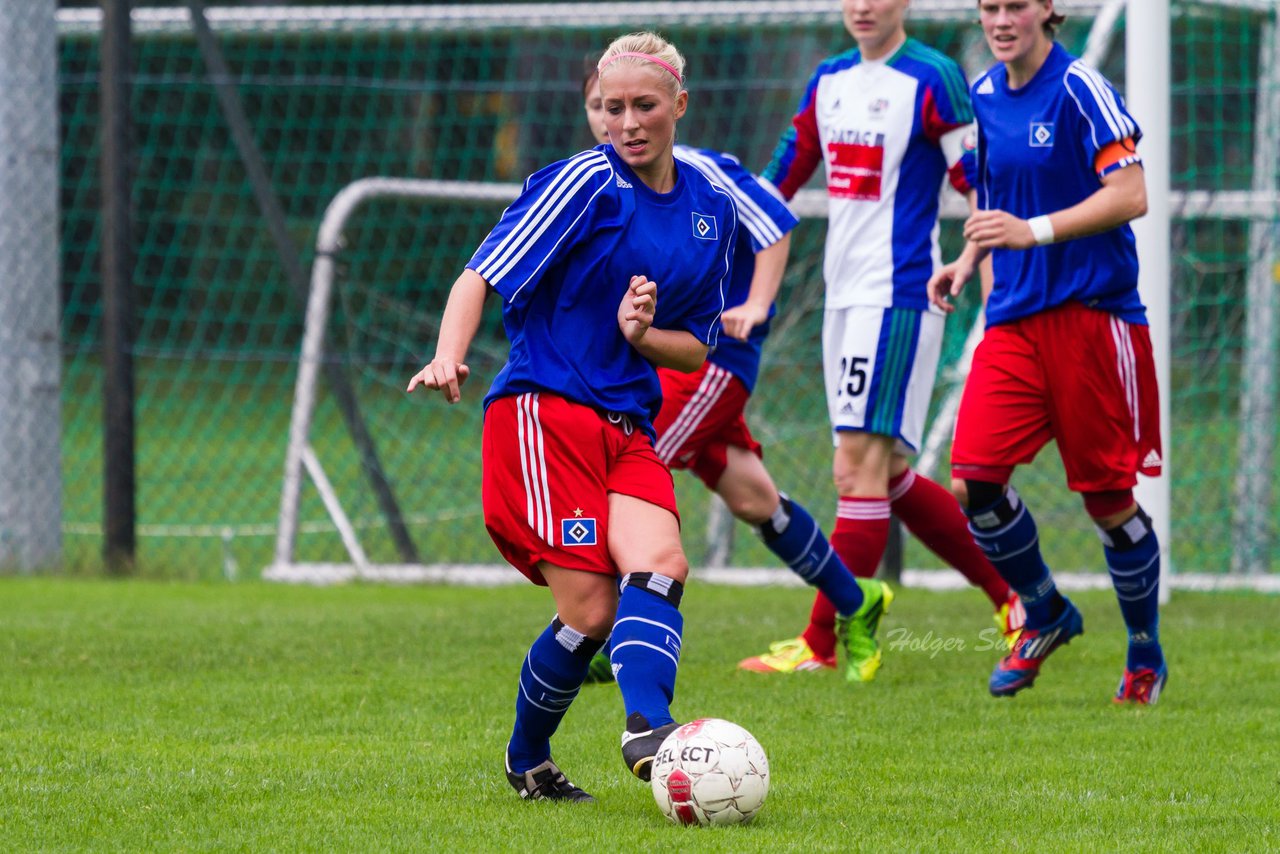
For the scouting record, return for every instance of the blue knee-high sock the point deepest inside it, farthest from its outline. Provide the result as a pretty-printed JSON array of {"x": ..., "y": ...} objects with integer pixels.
[
  {"x": 1133, "y": 558},
  {"x": 792, "y": 535},
  {"x": 645, "y": 644},
  {"x": 1007, "y": 534},
  {"x": 553, "y": 672}
]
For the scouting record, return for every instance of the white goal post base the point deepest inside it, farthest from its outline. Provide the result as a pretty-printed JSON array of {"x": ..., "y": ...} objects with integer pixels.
[{"x": 491, "y": 575}]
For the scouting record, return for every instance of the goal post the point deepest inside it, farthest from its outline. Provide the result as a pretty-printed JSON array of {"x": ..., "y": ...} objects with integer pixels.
[
  {"x": 300, "y": 458},
  {"x": 1254, "y": 493},
  {"x": 1147, "y": 59}
]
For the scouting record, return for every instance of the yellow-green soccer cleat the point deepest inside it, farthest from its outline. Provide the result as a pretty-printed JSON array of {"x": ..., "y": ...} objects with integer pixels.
[
  {"x": 1010, "y": 619},
  {"x": 788, "y": 656},
  {"x": 857, "y": 633}
]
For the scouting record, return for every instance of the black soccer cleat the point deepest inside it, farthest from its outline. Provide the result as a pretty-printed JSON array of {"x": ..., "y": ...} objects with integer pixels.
[
  {"x": 545, "y": 782},
  {"x": 640, "y": 743}
]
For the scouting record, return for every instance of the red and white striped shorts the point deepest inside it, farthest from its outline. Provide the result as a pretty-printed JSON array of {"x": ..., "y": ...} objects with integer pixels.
[
  {"x": 701, "y": 416},
  {"x": 1074, "y": 374},
  {"x": 549, "y": 466}
]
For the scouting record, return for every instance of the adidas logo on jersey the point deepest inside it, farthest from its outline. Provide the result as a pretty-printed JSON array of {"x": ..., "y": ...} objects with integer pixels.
[
  {"x": 1152, "y": 459},
  {"x": 626, "y": 185},
  {"x": 986, "y": 87}
]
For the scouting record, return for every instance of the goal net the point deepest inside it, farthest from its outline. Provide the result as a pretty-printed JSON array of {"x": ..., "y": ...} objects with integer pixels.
[{"x": 468, "y": 100}]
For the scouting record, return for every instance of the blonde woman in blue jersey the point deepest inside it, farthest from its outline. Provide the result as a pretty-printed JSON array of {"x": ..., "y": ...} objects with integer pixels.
[
  {"x": 1067, "y": 354},
  {"x": 609, "y": 264},
  {"x": 702, "y": 426}
]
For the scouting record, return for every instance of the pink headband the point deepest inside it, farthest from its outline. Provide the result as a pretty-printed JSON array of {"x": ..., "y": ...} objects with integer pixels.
[{"x": 662, "y": 64}]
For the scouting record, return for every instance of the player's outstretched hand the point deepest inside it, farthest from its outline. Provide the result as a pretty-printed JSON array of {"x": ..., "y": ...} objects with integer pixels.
[
  {"x": 998, "y": 230},
  {"x": 444, "y": 374},
  {"x": 741, "y": 319},
  {"x": 636, "y": 311},
  {"x": 948, "y": 281}
]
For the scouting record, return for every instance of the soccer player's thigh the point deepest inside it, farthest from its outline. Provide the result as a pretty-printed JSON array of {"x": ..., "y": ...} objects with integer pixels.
[
  {"x": 734, "y": 451},
  {"x": 644, "y": 534},
  {"x": 697, "y": 410},
  {"x": 1003, "y": 420},
  {"x": 544, "y": 483},
  {"x": 1104, "y": 402},
  {"x": 879, "y": 365}
]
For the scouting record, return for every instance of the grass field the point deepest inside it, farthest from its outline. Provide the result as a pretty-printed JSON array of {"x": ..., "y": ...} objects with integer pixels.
[{"x": 145, "y": 716}]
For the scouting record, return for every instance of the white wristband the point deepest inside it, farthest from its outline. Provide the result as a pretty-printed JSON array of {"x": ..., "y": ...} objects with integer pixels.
[{"x": 1041, "y": 230}]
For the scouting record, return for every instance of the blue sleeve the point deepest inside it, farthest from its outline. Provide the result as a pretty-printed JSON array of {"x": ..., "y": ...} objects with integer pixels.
[
  {"x": 1105, "y": 118},
  {"x": 549, "y": 216},
  {"x": 762, "y": 214}
]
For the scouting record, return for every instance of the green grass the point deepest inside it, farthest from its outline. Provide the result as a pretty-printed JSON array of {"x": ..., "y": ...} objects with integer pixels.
[{"x": 144, "y": 716}]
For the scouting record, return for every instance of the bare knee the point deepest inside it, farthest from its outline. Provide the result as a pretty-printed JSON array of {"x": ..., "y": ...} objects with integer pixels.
[
  {"x": 644, "y": 537},
  {"x": 670, "y": 562},
  {"x": 662, "y": 557},
  {"x": 746, "y": 487},
  {"x": 960, "y": 490},
  {"x": 754, "y": 508},
  {"x": 598, "y": 619},
  {"x": 592, "y": 616},
  {"x": 585, "y": 601},
  {"x": 861, "y": 465},
  {"x": 849, "y": 475}
]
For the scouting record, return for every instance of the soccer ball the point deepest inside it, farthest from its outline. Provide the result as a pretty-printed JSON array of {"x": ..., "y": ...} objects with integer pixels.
[{"x": 710, "y": 771}]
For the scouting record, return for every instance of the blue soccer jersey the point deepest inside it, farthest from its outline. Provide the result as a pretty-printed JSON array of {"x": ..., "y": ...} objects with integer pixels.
[
  {"x": 763, "y": 220},
  {"x": 1037, "y": 153},
  {"x": 562, "y": 257}
]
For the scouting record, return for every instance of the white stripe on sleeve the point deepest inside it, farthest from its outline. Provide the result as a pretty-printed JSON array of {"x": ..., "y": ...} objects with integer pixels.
[
  {"x": 757, "y": 221},
  {"x": 541, "y": 214}
]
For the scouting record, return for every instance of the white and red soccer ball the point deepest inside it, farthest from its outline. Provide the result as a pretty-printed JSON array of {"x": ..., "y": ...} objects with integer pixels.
[{"x": 710, "y": 771}]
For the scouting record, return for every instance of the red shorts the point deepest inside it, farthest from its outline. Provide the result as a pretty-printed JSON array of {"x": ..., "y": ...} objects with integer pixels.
[
  {"x": 549, "y": 466},
  {"x": 701, "y": 417},
  {"x": 1078, "y": 375}
]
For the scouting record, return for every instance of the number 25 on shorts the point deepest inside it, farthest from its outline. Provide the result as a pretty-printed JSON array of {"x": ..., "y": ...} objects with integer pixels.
[{"x": 853, "y": 376}]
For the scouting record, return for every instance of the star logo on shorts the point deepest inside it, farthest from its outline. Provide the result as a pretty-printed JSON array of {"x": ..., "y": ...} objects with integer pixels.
[{"x": 578, "y": 531}]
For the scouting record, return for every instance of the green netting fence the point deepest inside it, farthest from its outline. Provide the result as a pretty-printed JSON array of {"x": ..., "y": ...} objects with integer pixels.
[{"x": 454, "y": 94}]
